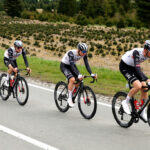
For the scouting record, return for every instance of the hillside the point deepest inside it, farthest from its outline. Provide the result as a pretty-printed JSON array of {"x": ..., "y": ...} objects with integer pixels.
[{"x": 52, "y": 40}]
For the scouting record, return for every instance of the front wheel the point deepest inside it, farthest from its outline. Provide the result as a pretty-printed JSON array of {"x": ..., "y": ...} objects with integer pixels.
[
  {"x": 22, "y": 91},
  {"x": 87, "y": 102},
  {"x": 123, "y": 119},
  {"x": 61, "y": 96},
  {"x": 4, "y": 90},
  {"x": 148, "y": 114}
]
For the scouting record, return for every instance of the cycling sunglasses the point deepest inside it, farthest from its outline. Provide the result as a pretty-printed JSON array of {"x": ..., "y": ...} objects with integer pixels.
[
  {"x": 19, "y": 47},
  {"x": 84, "y": 52}
]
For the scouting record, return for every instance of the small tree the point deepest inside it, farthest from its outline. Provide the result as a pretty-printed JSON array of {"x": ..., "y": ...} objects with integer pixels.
[
  {"x": 67, "y": 7},
  {"x": 143, "y": 11},
  {"x": 1, "y": 6},
  {"x": 13, "y": 7}
]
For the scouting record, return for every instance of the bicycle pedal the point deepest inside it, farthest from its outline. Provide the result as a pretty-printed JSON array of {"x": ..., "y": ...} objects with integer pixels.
[{"x": 136, "y": 120}]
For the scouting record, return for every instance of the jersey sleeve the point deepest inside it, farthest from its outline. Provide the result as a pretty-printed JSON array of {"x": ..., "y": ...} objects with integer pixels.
[
  {"x": 72, "y": 64},
  {"x": 25, "y": 58},
  {"x": 87, "y": 64},
  {"x": 136, "y": 58},
  {"x": 10, "y": 55}
]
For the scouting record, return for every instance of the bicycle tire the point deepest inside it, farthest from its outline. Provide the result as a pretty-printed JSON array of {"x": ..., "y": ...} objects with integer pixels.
[
  {"x": 61, "y": 99},
  {"x": 1, "y": 88},
  {"x": 148, "y": 114},
  {"x": 22, "y": 89},
  {"x": 87, "y": 100},
  {"x": 118, "y": 110}
]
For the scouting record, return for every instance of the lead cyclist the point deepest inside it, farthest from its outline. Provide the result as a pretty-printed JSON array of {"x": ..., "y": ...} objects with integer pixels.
[
  {"x": 70, "y": 70},
  {"x": 131, "y": 70}
]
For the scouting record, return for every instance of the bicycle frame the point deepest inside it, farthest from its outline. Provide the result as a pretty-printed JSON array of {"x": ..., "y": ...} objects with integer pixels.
[
  {"x": 80, "y": 87},
  {"x": 11, "y": 88},
  {"x": 136, "y": 113}
]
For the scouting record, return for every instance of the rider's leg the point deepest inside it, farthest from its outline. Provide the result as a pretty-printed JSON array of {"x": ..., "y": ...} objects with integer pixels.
[
  {"x": 10, "y": 69},
  {"x": 136, "y": 87},
  {"x": 144, "y": 96},
  {"x": 70, "y": 90}
]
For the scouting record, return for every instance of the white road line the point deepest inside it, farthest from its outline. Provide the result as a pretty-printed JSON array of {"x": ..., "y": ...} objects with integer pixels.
[
  {"x": 27, "y": 139},
  {"x": 46, "y": 89},
  {"x": 39, "y": 87}
]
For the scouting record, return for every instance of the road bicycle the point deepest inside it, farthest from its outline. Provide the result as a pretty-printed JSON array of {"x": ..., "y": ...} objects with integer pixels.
[
  {"x": 123, "y": 119},
  {"x": 87, "y": 102},
  {"x": 18, "y": 87}
]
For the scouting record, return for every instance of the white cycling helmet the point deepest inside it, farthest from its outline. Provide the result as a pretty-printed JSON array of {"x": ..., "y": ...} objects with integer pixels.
[
  {"x": 82, "y": 47},
  {"x": 18, "y": 43},
  {"x": 147, "y": 45}
]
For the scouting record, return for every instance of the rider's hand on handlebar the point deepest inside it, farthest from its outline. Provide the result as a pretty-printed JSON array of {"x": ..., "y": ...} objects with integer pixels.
[
  {"x": 80, "y": 76},
  {"x": 28, "y": 71},
  {"x": 148, "y": 83},
  {"x": 94, "y": 76}
]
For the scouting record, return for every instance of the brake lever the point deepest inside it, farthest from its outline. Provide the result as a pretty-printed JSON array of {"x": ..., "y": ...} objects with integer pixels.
[
  {"x": 27, "y": 74},
  {"x": 93, "y": 80}
]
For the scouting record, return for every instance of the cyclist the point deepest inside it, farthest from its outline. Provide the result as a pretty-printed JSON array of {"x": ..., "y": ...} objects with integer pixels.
[
  {"x": 10, "y": 57},
  {"x": 70, "y": 70},
  {"x": 130, "y": 68}
]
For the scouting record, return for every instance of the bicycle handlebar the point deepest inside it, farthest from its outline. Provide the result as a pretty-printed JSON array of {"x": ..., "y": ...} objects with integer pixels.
[
  {"x": 148, "y": 88},
  {"x": 19, "y": 70},
  {"x": 94, "y": 79}
]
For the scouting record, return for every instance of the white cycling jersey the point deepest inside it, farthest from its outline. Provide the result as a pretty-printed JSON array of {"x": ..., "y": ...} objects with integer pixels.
[
  {"x": 11, "y": 52},
  {"x": 128, "y": 56},
  {"x": 75, "y": 57}
]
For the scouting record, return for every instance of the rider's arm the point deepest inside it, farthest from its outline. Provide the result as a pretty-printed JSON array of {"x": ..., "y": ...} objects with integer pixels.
[
  {"x": 72, "y": 64},
  {"x": 87, "y": 64},
  {"x": 136, "y": 58},
  {"x": 10, "y": 55},
  {"x": 25, "y": 58}
]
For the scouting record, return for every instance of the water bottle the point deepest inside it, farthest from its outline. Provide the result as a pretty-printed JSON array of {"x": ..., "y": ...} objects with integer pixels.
[
  {"x": 136, "y": 104},
  {"x": 141, "y": 103},
  {"x": 11, "y": 81},
  {"x": 74, "y": 91}
]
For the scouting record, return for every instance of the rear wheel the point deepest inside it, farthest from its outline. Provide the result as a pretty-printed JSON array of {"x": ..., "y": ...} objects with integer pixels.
[
  {"x": 22, "y": 91},
  {"x": 4, "y": 90},
  {"x": 123, "y": 119},
  {"x": 61, "y": 96},
  {"x": 87, "y": 103}
]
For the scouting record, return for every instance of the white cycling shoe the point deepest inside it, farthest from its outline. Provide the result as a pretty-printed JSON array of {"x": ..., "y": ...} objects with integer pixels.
[
  {"x": 6, "y": 83},
  {"x": 70, "y": 103},
  {"x": 144, "y": 114},
  {"x": 126, "y": 107}
]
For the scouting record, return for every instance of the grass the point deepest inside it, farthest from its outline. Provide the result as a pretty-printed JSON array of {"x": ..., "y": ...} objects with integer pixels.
[{"x": 109, "y": 82}]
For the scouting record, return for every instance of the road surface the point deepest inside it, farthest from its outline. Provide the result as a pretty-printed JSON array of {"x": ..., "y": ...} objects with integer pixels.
[{"x": 39, "y": 125}]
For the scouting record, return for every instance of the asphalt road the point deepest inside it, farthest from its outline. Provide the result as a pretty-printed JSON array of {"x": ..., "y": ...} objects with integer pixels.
[{"x": 39, "y": 125}]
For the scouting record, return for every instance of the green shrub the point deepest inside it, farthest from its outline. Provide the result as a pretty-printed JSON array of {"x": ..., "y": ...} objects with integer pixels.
[
  {"x": 90, "y": 55},
  {"x": 92, "y": 49},
  {"x": 121, "y": 24},
  {"x": 81, "y": 19}
]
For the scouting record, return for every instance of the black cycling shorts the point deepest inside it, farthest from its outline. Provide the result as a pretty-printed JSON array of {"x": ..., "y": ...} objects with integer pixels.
[
  {"x": 7, "y": 62},
  {"x": 128, "y": 72},
  {"x": 67, "y": 71}
]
